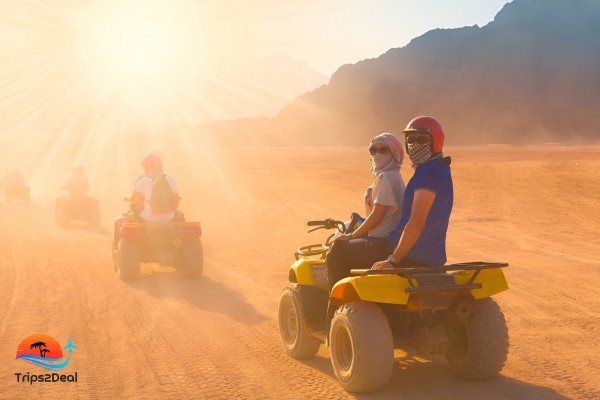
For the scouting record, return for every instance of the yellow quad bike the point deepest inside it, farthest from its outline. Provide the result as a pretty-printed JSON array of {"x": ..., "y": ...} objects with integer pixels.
[{"x": 438, "y": 313}]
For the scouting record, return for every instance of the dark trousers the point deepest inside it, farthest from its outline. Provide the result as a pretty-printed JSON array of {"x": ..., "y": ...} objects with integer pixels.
[{"x": 362, "y": 253}]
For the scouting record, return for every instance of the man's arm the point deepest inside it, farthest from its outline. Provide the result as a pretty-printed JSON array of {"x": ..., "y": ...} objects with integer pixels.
[{"x": 412, "y": 231}]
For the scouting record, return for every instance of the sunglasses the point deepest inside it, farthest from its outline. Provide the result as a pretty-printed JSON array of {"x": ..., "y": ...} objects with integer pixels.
[
  {"x": 417, "y": 138},
  {"x": 381, "y": 150}
]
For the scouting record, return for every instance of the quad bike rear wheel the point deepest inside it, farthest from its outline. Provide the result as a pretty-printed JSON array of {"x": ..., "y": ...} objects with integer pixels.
[
  {"x": 362, "y": 347},
  {"x": 479, "y": 342},
  {"x": 60, "y": 215},
  {"x": 193, "y": 258},
  {"x": 296, "y": 339},
  {"x": 115, "y": 256},
  {"x": 128, "y": 262}
]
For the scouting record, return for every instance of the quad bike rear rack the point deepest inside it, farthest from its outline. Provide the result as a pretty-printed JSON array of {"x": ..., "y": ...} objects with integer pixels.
[
  {"x": 161, "y": 224},
  {"x": 429, "y": 279}
]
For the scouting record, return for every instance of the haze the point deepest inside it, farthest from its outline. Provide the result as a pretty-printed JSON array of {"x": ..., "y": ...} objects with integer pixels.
[{"x": 100, "y": 83}]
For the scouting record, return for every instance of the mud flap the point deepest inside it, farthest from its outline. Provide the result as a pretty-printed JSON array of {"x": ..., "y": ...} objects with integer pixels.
[{"x": 315, "y": 302}]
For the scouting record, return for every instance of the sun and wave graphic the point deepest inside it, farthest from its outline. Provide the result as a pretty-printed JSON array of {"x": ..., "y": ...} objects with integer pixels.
[{"x": 44, "y": 351}]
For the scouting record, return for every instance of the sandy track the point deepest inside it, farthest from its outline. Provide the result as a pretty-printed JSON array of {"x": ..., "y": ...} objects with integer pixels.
[{"x": 166, "y": 337}]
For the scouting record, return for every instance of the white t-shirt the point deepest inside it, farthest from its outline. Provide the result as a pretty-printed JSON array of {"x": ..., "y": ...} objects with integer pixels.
[
  {"x": 144, "y": 186},
  {"x": 388, "y": 190}
]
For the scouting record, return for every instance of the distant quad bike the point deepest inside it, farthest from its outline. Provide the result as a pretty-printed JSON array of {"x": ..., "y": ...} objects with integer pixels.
[
  {"x": 176, "y": 244},
  {"x": 17, "y": 192},
  {"x": 67, "y": 209},
  {"x": 441, "y": 312}
]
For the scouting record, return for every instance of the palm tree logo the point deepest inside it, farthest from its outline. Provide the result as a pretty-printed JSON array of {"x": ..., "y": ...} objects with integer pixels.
[
  {"x": 51, "y": 356},
  {"x": 39, "y": 344}
]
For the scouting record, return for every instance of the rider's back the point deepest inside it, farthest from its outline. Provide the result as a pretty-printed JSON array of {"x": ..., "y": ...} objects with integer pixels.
[
  {"x": 145, "y": 186},
  {"x": 77, "y": 186}
]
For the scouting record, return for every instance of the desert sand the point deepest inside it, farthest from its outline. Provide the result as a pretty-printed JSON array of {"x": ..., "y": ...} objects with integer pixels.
[{"x": 165, "y": 337}]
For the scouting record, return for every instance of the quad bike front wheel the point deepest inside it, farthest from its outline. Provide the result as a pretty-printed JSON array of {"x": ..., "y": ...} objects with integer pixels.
[
  {"x": 362, "y": 347},
  {"x": 478, "y": 342},
  {"x": 94, "y": 218},
  {"x": 296, "y": 339},
  {"x": 128, "y": 262},
  {"x": 115, "y": 256}
]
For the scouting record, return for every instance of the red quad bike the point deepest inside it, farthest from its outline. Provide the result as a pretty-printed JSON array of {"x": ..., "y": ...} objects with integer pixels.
[
  {"x": 81, "y": 209},
  {"x": 18, "y": 191},
  {"x": 176, "y": 244}
]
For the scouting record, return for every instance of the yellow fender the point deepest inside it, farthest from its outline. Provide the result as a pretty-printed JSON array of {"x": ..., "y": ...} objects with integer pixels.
[
  {"x": 391, "y": 289},
  {"x": 309, "y": 271},
  {"x": 492, "y": 281},
  {"x": 375, "y": 288}
]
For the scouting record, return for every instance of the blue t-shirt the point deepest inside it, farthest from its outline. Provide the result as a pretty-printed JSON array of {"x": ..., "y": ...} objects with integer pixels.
[{"x": 430, "y": 248}]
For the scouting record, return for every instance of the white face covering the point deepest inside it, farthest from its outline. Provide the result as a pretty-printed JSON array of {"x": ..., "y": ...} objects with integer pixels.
[
  {"x": 380, "y": 161},
  {"x": 419, "y": 153},
  {"x": 386, "y": 162}
]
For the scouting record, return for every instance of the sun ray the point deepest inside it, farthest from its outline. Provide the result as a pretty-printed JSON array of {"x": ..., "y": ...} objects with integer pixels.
[{"x": 63, "y": 103}]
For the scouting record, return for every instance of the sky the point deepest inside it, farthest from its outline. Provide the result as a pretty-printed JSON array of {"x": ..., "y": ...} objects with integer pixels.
[
  {"x": 98, "y": 66},
  {"x": 329, "y": 33},
  {"x": 325, "y": 34},
  {"x": 84, "y": 79}
]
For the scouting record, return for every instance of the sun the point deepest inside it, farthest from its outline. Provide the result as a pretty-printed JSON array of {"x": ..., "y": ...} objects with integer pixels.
[
  {"x": 142, "y": 47},
  {"x": 139, "y": 50}
]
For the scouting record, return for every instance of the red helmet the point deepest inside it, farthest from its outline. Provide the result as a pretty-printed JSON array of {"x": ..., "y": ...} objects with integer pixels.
[
  {"x": 150, "y": 162},
  {"x": 429, "y": 126}
]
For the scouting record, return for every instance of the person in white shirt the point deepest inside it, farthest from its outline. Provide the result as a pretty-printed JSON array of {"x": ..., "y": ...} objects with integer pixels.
[
  {"x": 383, "y": 205},
  {"x": 144, "y": 189}
]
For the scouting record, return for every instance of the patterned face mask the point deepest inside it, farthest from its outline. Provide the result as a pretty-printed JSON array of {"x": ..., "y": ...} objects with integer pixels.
[{"x": 419, "y": 153}]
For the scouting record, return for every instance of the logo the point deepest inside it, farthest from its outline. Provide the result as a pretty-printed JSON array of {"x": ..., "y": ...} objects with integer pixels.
[{"x": 43, "y": 351}]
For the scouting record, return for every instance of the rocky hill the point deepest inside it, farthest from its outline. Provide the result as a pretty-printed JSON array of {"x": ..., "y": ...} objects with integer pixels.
[{"x": 531, "y": 75}]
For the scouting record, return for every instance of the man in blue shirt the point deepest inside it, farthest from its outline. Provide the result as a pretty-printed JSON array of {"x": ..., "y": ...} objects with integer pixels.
[{"x": 420, "y": 237}]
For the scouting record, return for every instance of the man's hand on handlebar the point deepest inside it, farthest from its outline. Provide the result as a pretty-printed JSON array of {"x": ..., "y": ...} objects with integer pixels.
[{"x": 382, "y": 265}]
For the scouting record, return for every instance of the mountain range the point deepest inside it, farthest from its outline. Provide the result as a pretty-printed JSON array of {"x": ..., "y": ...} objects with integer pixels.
[{"x": 531, "y": 75}]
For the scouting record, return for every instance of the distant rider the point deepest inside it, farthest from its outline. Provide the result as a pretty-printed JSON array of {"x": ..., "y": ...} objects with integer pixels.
[
  {"x": 77, "y": 185},
  {"x": 13, "y": 178}
]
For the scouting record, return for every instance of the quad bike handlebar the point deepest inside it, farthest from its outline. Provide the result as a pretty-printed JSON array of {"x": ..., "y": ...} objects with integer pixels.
[
  {"x": 330, "y": 223},
  {"x": 321, "y": 249},
  {"x": 313, "y": 223},
  {"x": 326, "y": 224}
]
